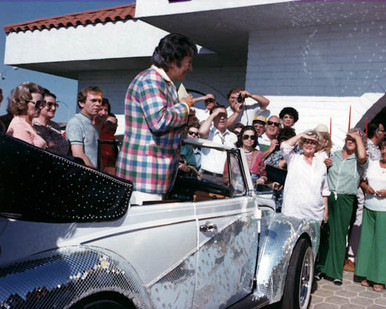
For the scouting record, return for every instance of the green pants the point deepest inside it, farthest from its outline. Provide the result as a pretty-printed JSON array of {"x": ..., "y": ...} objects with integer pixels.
[
  {"x": 370, "y": 262},
  {"x": 332, "y": 251}
]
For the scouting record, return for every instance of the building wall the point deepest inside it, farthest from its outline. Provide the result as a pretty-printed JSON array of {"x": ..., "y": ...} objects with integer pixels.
[
  {"x": 114, "y": 40},
  {"x": 337, "y": 60},
  {"x": 320, "y": 71}
]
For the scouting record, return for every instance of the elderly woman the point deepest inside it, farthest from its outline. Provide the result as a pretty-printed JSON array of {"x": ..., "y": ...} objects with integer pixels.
[
  {"x": 344, "y": 175},
  {"x": 48, "y": 129},
  {"x": 247, "y": 141},
  {"x": 305, "y": 188},
  {"x": 25, "y": 103},
  {"x": 372, "y": 246}
]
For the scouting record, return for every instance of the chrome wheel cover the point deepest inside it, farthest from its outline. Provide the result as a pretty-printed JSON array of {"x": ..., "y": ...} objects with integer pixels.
[{"x": 306, "y": 276}]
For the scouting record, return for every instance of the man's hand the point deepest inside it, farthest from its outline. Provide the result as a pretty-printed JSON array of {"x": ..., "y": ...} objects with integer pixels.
[
  {"x": 273, "y": 144},
  {"x": 183, "y": 167},
  {"x": 282, "y": 164},
  {"x": 238, "y": 107},
  {"x": 188, "y": 101}
]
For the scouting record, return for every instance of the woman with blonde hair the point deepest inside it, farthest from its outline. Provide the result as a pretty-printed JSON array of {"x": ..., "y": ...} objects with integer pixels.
[
  {"x": 25, "y": 103},
  {"x": 305, "y": 188}
]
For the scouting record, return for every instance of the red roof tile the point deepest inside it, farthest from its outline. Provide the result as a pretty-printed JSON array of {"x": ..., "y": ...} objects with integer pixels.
[{"x": 122, "y": 12}]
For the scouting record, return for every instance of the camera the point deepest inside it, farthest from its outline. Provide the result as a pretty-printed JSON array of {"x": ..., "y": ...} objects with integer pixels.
[{"x": 240, "y": 98}]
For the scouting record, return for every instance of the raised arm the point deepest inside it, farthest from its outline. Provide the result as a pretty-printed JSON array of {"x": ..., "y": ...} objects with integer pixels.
[
  {"x": 205, "y": 126},
  {"x": 203, "y": 98},
  {"x": 362, "y": 156},
  {"x": 263, "y": 101},
  {"x": 293, "y": 140},
  {"x": 233, "y": 118}
]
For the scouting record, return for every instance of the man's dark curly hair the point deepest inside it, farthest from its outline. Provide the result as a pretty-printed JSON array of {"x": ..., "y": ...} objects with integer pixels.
[{"x": 173, "y": 47}]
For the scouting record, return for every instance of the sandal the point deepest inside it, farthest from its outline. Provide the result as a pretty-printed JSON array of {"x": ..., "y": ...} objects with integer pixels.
[
  {"x": 365, "y": 283},
  {"x": 378, "y": 287}
]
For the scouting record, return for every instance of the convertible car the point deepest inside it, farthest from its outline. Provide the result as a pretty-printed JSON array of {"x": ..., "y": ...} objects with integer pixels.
[{"x": 69, "y": 238}]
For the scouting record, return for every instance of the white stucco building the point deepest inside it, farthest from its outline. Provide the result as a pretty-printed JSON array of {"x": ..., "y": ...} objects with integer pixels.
[{"x": 318, "y": 57}]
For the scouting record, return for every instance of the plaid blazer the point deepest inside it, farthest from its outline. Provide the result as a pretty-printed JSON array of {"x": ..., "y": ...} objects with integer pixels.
[{"x": 151, "y": 145}]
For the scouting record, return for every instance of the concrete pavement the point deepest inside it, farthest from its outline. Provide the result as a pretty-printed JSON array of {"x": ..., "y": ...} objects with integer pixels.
[{"x": 350, "y": 295}]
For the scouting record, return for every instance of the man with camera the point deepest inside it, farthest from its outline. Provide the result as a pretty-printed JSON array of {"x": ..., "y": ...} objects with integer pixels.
[{"x": 243, "y": 106}]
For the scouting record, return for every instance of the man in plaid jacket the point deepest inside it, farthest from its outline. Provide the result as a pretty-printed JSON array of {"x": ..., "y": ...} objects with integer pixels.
[{"x": 154, "y": 117}]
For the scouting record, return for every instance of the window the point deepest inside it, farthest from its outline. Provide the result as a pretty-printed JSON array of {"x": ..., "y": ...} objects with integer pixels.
[{"x": 236, "y": 178}]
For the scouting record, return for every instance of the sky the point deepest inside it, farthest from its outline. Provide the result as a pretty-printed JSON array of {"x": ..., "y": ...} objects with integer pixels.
[{"x": 15, "y": 11}]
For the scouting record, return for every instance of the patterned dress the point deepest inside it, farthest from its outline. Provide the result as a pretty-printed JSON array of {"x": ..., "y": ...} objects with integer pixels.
[{"x": 153, "y": 119}]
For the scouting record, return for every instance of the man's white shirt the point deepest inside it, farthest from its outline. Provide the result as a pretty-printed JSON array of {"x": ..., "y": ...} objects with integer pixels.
[{"x": 214, "y": 160}]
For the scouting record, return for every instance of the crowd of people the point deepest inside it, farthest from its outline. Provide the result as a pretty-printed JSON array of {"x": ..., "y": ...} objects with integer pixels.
[{"x": 310, "y": 181}]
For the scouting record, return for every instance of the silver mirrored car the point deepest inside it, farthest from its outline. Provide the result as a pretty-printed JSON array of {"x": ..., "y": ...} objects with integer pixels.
[{"x": 69, "y": 238}]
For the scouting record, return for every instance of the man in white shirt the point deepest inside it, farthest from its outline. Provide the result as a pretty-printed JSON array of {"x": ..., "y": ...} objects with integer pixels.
[
  {"x": 244, "y": 106},
  {"x": 213, "y": 161},
  {"x": 210, "y": 102},
  {"x": 268, "y": 141}
]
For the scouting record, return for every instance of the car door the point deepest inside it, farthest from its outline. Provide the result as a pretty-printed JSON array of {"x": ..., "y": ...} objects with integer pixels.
[{"x": 227, "y": 241}]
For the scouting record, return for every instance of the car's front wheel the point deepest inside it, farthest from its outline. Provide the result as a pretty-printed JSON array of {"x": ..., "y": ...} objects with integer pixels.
[
  {"x": 298, "y": 284},
  {"x": 103, "y": 301}
]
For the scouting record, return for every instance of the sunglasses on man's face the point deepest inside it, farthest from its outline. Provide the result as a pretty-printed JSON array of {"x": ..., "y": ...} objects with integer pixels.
[
  {"x": 222, "y": 115},
  {"x": 246, "y": 136},
  {"x": 111, "y": 124},
  {"x": 194, "y": 133},
  {"x": 209, "y": 100},
  {"x": 276, "y": 124}
]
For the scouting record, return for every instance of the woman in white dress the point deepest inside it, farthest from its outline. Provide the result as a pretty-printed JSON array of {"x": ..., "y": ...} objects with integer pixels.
[{"x": 305, "y": 188}]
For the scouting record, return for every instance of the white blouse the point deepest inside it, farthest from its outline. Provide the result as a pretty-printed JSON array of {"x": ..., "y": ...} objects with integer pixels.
[
  {"x": 305, "y": 185},
  {"x": 376, "y": 178}
]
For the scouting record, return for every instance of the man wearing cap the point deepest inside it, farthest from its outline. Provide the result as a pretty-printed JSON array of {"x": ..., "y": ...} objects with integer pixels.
[{"x": 259, "y": 123}]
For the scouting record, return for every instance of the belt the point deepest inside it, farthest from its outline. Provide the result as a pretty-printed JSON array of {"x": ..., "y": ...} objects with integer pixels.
[{"x": 211, "y": 173}]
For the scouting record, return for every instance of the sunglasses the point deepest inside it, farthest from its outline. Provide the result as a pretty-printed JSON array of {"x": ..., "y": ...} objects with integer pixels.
[
  {"x": 222, "y": 115},
  {"x": 111, "y": 124},
  {"x": 51, "y": 104},
  {"x": 209, "y": 100},
  {"x": 276, "y": 124},
  {"x": 311, "y": 142},
  {"x": 246, "y": 136},
  {"x": 349, "y": 139},
  {"x": 38, "y": 103},
  {"x": 194, "y": 133}
]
